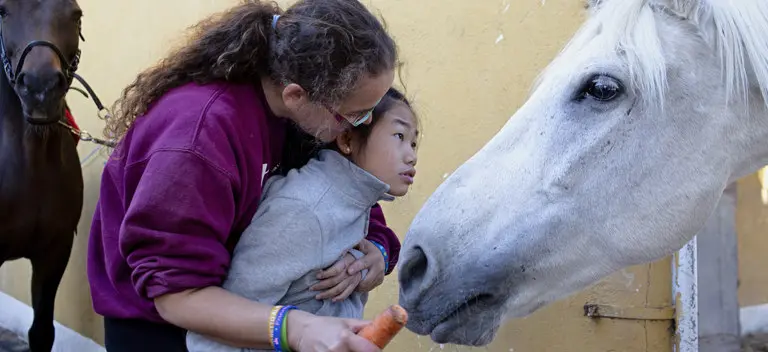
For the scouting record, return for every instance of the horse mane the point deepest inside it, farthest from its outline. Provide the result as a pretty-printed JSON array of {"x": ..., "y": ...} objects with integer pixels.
[{"x": 735, "y": 29}]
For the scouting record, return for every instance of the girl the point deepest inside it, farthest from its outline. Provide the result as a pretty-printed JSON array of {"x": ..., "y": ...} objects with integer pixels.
[
  {"x": 198, "y": 134},
  {"x": 318, "y": 213}
]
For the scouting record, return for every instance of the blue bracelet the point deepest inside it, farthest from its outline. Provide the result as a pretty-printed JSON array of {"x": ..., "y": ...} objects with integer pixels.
[
  {"x": 277, "y": 329},
  {"x": 384, "y": 253}
]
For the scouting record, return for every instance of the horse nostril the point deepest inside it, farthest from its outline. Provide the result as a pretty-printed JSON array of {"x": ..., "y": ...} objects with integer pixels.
[
  {"x": 53, "y": 82},
  {"x": 45, "y": 83},
  {"x": 61, "y": 81},
  {"x": 415, "y": 270}
]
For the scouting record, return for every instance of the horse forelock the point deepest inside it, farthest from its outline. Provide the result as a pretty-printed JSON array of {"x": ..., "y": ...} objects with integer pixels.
[{"x": 734, "y": 30}]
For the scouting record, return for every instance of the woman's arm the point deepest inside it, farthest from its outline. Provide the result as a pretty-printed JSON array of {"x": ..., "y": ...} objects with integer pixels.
[
  {"x": 237, "y": 321},
  {"x": 379, "y": 232},
  {"x": 282, "y": 244},
  {"x": 173, "y": 238},
  {"x": 177, "y": 222},
  {"x": 220, "y": 315}
]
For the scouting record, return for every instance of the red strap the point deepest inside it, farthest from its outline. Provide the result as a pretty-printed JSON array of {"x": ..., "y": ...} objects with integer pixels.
[{"x": 71, "y": 122}]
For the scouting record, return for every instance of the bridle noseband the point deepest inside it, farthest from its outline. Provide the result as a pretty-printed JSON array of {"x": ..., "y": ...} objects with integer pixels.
[{"x": 69, "y": 68}]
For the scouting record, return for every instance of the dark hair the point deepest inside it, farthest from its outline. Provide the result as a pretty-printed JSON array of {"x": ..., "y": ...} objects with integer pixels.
[
  {"x": 301, "y": 147},
  {"x": 388, "y": 102},
  {"x": 325, "y": 46}
]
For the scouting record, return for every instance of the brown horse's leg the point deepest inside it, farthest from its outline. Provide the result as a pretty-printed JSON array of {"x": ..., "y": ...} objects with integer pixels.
[{"x": 47, "y": 270}]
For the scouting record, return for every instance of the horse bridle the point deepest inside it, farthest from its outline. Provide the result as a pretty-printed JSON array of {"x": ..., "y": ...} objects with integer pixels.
[
  {"x": 69, "y": 67},
  {"x": 69, "y": 72}
]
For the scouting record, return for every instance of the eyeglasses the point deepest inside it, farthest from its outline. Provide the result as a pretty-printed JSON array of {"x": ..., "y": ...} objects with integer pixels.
[{"x": 357, "y": 119}]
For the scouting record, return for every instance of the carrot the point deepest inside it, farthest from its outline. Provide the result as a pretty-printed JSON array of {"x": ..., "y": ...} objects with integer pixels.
[{"x": 385, "y": 326}]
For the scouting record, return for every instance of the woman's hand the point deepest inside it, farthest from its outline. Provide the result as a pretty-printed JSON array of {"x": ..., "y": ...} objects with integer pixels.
[
  {"x": 307, "y": 332},
  {"x": 373, "y": 261},
  {"x": 337, "y": 282}
]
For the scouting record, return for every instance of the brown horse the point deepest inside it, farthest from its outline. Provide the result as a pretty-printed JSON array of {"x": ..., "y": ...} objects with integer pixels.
[{"x": 41, "y": 183}]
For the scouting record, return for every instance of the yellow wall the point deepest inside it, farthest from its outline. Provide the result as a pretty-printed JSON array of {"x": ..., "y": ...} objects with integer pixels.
[
  {"x": 752, "y": 227},
  {"x": 469, "y": 65}
]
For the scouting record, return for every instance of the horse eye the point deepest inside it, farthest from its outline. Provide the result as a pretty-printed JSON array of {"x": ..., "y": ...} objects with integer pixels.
[
  {"x": 602, "y": 88},
  {"x": 3, "y": 12}
]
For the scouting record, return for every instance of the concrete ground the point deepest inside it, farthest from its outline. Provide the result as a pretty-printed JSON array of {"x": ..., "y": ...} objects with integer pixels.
[
  {"x": 755, "y": 343},
  {"x": 16, "y": 317},
  {"x": 15, "y": 320},
  {"x": 10, "y": 342}
]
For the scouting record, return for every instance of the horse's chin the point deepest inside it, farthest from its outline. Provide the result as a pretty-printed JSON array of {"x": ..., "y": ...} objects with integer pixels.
[
  {"x": 476, "y": 329},
  {"x": 38, "y": 116},
  {"x": 474, "y": 323}
]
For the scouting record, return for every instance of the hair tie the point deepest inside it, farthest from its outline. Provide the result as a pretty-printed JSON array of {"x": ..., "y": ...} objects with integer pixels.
[{"x": 274, "y": 21}]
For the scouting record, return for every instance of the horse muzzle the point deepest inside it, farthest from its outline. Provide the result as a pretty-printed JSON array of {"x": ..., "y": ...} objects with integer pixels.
[
  {"x": 41, "y": 93},
  {"x": 43, "y": 114}
]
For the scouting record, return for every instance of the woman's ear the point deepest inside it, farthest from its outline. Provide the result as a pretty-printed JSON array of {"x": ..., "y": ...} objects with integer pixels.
[
  {"x": 344, "y": 142},
  {"x": 294, "y": 96}
]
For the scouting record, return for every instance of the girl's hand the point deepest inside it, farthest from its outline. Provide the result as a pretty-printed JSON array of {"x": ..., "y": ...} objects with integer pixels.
[
  {"x": 373, "y": 261},
  {"x": 337, "y": 281},
  {"x": 307, "y": 332}
]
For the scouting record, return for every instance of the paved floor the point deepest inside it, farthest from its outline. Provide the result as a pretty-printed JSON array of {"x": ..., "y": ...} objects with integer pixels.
[
  {"x": 755, "y": 343},
  {"x": 10, "y": 342}
]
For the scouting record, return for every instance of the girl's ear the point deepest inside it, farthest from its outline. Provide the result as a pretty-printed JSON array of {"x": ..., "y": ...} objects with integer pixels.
[{"x": 344, "y": 142}]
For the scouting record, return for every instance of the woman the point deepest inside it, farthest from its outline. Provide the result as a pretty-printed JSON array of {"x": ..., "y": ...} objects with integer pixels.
[{"x": 187, "y": 175}]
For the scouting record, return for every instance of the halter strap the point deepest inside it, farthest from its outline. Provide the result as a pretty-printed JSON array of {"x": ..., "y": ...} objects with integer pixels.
[{"x": 69, "y": 68}]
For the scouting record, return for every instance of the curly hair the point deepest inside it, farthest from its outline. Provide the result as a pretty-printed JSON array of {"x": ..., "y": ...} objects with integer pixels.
[{"x": 324, "y": 46}]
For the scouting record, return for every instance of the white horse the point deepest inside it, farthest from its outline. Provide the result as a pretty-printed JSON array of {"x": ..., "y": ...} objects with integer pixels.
[{"x": 618, "y": 157}]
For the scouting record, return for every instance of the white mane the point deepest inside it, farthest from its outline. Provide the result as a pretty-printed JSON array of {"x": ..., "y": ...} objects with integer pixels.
[{"x": 736, "y": 29}]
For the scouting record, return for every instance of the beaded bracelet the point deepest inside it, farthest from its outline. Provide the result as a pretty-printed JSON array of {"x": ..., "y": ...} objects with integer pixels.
[
  {"x": 384, "y": 253},
  {"x": 280, "y": 330}
]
